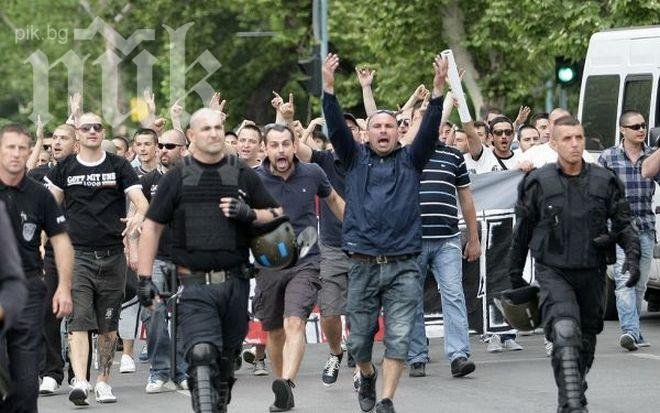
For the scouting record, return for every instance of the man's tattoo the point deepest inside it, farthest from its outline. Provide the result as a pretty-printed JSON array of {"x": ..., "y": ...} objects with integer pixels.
[{"x": 107, "y": 348}]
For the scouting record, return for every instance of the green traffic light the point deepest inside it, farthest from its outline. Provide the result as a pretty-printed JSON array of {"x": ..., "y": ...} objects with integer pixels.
[{"x": 566, "y": 74}]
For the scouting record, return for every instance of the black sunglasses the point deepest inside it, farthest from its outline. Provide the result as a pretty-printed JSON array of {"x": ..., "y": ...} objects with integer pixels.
[
  {"x": 86, "y": 127},
  {"x": 168, "y": 146},
  {"x": 500, "y": 132},
  {"x": 404, "y": 122},
  {"x": 636, "y": 126},
  {"x": 46, "y": 147}
]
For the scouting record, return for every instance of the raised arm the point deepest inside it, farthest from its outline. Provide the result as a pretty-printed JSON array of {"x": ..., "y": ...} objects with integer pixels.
[
  {"x": 176, "y": 110},
  {"x": 366, "y": 78},
  {"x": 338, "y": 132},
  {"x": 474, "y": 143},
  {"x": 36, "y": 150},
  {"x": 427, "y": 136}
]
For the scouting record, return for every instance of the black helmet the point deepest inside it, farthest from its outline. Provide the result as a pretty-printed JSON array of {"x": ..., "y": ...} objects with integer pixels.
[
  {"x": 274, "y": 244},
  {"x": 520, "y": 307}
]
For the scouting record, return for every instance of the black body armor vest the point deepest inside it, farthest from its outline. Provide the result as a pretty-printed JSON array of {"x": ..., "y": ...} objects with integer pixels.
[{"x": 573, "y": 212}]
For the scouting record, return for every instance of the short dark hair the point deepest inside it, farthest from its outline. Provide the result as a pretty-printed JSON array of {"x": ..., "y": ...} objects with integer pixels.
[
  {"x": 254, "y": 128},
  {"x": 481, "y": 124},
  {"x": 627, "y": 115},
  {"x": 14, "y": 128},
  {"x": 567, "y": 121},
  {"x": 124, "y": 140},
  {"x": 277, "y": 128},
  {"x": 146, "y": 131},
  {"x": 538, "y": 116},
  {"x": 490, "y": 109},
  {"x": 500, "y": 119},
  {"x": 523, "y": 127}
]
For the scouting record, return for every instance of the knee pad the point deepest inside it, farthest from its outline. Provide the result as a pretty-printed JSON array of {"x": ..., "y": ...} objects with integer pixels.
[
  {"x": 202, "y": 354},
  {"x": 566, "y": 333}
]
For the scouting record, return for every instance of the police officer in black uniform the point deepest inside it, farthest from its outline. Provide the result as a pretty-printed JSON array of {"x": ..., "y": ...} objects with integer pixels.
[
  {"x": 562, "y": 215},
  {"x": 31, "y": 209},
  {"x": 211, "y": 199}
]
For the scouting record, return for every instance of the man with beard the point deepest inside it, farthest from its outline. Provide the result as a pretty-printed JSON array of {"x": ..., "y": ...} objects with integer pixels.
[
  {"x": 93, "y": 187},
  {"x": 171, "y": 145},
  {"x": 31, "y": 209},
  {"x": 285, "y": 298},
  {"x": 52, "y": 369},
  {"x": 211, "y": 199},
  {"x": 382, "y": 230}
]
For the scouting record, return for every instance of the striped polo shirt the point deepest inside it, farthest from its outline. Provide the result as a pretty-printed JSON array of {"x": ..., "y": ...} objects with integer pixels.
[{"x": 443, "y": 173}]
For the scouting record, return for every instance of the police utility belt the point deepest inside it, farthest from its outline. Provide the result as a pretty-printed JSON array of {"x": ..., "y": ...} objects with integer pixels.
[{"x": 213, "y": 277}]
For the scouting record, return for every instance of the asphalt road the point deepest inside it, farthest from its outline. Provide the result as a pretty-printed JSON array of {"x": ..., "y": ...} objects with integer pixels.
[{"x": 620, "y": 381}]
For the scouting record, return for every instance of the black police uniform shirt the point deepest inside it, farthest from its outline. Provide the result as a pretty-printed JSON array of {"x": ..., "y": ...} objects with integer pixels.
[
  {"x": 296, "y": 194},
  {"x": 94, "y": 198},
  {"x": 164, "y": 209},
  {"x": 32, "y": 208},
  {"x": 12, "y": 281},
  {"x": 149, "y": 183},
  {"x": 39, "y": 174}
]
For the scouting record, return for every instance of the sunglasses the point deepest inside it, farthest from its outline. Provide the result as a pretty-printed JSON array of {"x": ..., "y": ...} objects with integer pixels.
[
  {"x": 500, "y": 132},
  {"x": 404, "y": 122},
  {"x": 46, "y": 147},
  {"x": 636, "y": 126},
  {"x": 86, "y": 127},
  {"x": 168, "y": 146}
]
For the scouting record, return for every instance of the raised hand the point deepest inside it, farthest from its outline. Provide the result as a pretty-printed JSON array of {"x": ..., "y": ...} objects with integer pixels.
[
  {"x": 287, "y": 109},
  {"x": 440, "y": 68},
  {"x": 150, "y": 100},
  {"x": 215, "y": 103},
  {"x": 40, "y": 128},
  {"x": 176, "y": 110},
  {"x": 75, "y": 105},
  {"x": 329, "y": 67},
  {"x": 365, "y": 76},
  {"x": 523, "y": 114}
]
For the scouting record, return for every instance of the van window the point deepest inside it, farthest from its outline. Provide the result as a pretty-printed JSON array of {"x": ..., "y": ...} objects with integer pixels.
[
  {"x": 601, "y": 98},
  {"x": 637, "y": 94}
]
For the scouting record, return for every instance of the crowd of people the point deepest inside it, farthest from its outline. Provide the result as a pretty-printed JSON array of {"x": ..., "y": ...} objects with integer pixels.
[{"x": 109, "y": 227}]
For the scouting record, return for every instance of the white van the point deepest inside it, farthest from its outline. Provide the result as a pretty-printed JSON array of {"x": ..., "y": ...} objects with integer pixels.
[{"x": 622, "y": 72}]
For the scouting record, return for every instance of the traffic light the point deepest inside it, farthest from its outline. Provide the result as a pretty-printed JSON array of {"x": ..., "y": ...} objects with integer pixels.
[
  {"x": 311, "y": 68},
  {"x": 567, "y": 71}
]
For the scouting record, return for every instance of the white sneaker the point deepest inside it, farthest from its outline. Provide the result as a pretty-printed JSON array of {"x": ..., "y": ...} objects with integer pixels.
[
  {"x": 127, "y": 365},
  {"x": 548, "y": 347},
  {"x": 183, "y": 385},
  {"x": 103, "y": 393},
  {"x": 250, "y": 355},
  {"x": 48, "y": 386},
  {"x": 72, "y": 384},
  {"x": 79, "y": 392},
  {"x": 511, "y": 345},
  {"x": 156, "y": 386},
  {"x": 494, "y": 344}
]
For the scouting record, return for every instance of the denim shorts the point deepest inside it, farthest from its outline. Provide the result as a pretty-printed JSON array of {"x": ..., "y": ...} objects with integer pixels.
[{"x": 396, "y": 288}]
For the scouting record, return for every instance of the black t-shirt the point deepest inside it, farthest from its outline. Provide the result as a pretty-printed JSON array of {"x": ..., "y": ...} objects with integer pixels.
[
  {"x": 32, "y": 209},
  {"x": 95, "y": 198},
  {"x": 166, "y": 207},
  {"x": 149, "y": 187},
  {"x": 333, "y": 168}
]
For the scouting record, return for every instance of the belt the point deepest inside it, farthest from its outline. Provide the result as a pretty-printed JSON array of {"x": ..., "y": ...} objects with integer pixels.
[
  {"x": 381, "y": 259},
  {"x": 103, "y": 252},
  {"x": 188, "y": 277}
]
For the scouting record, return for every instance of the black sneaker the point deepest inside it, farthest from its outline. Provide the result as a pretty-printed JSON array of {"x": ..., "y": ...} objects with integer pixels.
[
  {"x": 331, "y": 369},
  {"x": 417, "y": 370},
  {"x": 385, "y": 406},
  {"x": 367, "y": 391},
  {"x": 283, "y": 395},
  {"x": 238, "y": 362},
  {"x": 461, "y": 366}
]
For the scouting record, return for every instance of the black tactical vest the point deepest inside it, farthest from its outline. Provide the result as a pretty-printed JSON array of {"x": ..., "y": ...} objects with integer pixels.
[
  {"x": 204, "y": 227},
  {"x": 571, "y": 218}
]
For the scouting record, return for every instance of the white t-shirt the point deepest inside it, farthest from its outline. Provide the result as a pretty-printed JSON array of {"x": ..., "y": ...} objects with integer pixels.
[
  {"x": 488, "y": 162},
  {"x": 543, "y": 154}
]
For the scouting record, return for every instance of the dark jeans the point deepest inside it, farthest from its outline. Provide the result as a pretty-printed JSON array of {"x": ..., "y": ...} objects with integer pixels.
[
  {"x": 396, "y": 287},
  {"x": 21, "y": 348},
  {"x": 52, "y": 364}
]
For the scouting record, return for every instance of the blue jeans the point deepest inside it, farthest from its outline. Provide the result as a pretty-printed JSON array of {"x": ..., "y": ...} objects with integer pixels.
[
  {"x": 629, "y": 300},
  {"x": 445, "y": 259},
  {"x": 158, "y": 337},
  {"x": 395, "y": 286}
]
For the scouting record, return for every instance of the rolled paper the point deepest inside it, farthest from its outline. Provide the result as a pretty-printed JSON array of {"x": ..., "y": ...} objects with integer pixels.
[{"x": 456, "y": 87}]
